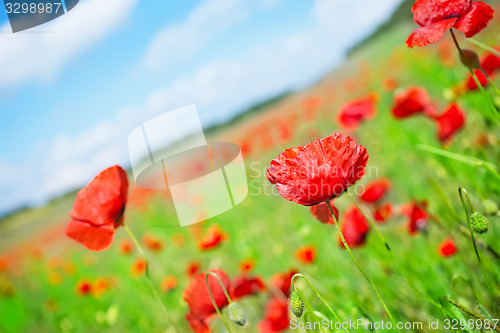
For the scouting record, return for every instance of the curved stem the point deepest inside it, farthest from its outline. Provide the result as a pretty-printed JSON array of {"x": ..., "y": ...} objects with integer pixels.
[
  {"x": 474, "y": 76},
  {"x": 213, "y": 300},
  {"x": 462, "y": 191},
  {"x": 360, "y": 268},
  {"x": 372, "y": 224},
  {"x": 316, "y": 292},
  {"x": 470, "y": 313},
  {"x": 483, "y": 46},
  {"x": 148, "y": 278}
]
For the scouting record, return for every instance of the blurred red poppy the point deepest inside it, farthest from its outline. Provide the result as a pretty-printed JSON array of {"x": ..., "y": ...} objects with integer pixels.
[
  {"x": 247, "y": 265},
  {"x": 353, "y": 113},
  {"x": 447, "y": 248},
  {"x": 98, "y": 209},
  {"x": 490, "y": 64},
  {"x": 244, "y": 285},
  {"x": 354, "y": 227},
  {"x": 152, "y": 243},
  {"x": 319, "y": 171},
  {"x": 306, "y": 254},
  {"x": 126, "y": 246},
  {"x": 417, "y": 216},
  {"x": 212, "y": 239},
  {"x": 275, "y": 316},
  {"x": 410, "y": 101},
  {"x": 83, "y": 287},
  {"x": 435, "y": 17},
  {"x": 138, "y": 267},
  {"x": 375, "y": 190},
  {"x": 169, "y": 283},
  {"x": 322, "y": 213},
  {"x": 99, "y": 286},
  {"x": 383, "y": 212},
  {"x": 193, "y": 268},
  {"x": 198, "y": 299},
  {"x": 283, "y": 281},
  {"x": 452, "y": 120}
]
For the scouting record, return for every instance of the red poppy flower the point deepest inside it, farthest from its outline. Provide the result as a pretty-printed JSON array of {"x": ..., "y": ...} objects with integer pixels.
[
  {"x": 213, "y": 237},
  {"x": 98, "y": 209},
  {"x": 126, "y": 246},
  {"x": 435, "y": 17},
  {"x": 138, "y": 267},
  {"x": 322, "y": 213},
  {"x": 410, "y": 101},
  {"x": 383, "y": 213},
  {"x": 375, "y": 190},
  {"x": 447, "y": 248},
  {"x": 247, "y": 265},
  {"x": 417, "y": 216},
  {"x": 198, "y": 299},
  {"x": 320, "y": 171},
  {"x": 244, "y": 286},
  {"x": 306, "y": 254},
  {"x": 275, "y": 316},
  {"x": 192, "y": 268},
  {"x": 353, "y": 113},
  {"x": 490, "y": 64},
  {"x": 354, "y": 227},
  {"x": 152, "y": 243},
  {"x": 452, "y": 120},
  {"x": 83, "y": 287},
  {"x": 99, "y": 286},
  {"x": 283, "y": 281}
]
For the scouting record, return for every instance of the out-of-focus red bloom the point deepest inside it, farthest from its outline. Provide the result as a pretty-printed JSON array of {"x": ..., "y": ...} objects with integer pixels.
[
  {"x": 198, "y": 299},
  {"x": 447, "y": 248},
  {"x": 126, "y": 246},
  {"x": 390, "y": 84},
  {"x": 452, "y": 120},
  {"x": 193, "y": 268},
  {"x": 376, "y": 190},
  {"x": 435, "y": 17},
  {"x": 98, "y": 209},
  {"x": 244, "y": 286},
  {"x": 275, "y": 316},
  {"x": 152, "y": 243},
  {"x": 417, "y": 216},
  {"x": 306, "y": 254},
  {"x": 83, "y": 287},
  {"x": 319, "y": 171},
  {"x": 4, "y": 263},
  {"x": 283, "y": 281},
  {"x": 353, "y": 113},
  {"x": 322, "y": 213},
  {"x": 354, "y": 227},
  {"x": 169, "y": 283},
  {"x": 99, "y": 286},
  {"x": 490, "y": 64},
  {"x": 410, "y": 101},
  {"x": 138, "y": 267},
  {"x": 247, "y": 265},
  {"x": 311, "y": 106},
  {"x": 383, "y": 212},
  {"x": 213, "y": 238}
]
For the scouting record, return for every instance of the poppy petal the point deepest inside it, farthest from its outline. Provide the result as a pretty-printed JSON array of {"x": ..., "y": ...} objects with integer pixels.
[
  {"x": 430, "y": 33},
  {"x": 426, "y": 12},
  {"x": 452, "y": 120},
  {"x": 322, "y": 213},
  {"x": 475, "y": 20},
  {"x": 93, "y": 237}
]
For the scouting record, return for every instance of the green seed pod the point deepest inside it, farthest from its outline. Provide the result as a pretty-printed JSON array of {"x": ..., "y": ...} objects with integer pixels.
[
  {"x": 237, "y": 314},
  {"x": 470, "y": 59},
  {"x": 479, "y": 223},
  {"x": 296, "y": 304}
]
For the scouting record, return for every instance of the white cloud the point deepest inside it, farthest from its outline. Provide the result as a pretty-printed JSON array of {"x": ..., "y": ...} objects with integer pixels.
[
  {"x": 26, "y": 57},
  {"x": 203, "y": 24}
]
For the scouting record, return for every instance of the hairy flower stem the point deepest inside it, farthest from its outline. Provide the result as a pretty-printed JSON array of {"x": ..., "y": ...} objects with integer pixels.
[
  {"x": 148, "y": 278},
  {"x": 317, "y": 294},
  {"x": 360, "y": 268},
  {"x": 470, "y": 313},
  {"x": 476, "y": 80},
  {"x": 213, "y": 300}
]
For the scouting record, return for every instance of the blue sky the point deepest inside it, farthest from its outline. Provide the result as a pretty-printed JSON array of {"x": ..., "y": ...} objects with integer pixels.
[{"x": 72, "y": 90}]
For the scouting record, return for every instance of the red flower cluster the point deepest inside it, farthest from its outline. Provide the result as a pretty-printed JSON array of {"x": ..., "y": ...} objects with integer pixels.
[
  {"x": 435, "y": 17},
  {"x": 98, "y": 209},
  {"x": 319, "y": 171}
]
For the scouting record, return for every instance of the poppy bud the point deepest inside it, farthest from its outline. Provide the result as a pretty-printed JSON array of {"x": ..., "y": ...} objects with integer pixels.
[
  {"x": 479, "y": 223},
  {"x": 237, "y": 314},
  {"x": 470, "y": 59},
  {"x": 490, "y": 206},
  {"x": 296, "y": 304}
]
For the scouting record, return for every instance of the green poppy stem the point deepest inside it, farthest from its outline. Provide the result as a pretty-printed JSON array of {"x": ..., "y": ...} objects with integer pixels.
[
  {"x": 483, "y": 46},
  {"x": 462, "y": 191},
  {"x": 148, "y": 278},
  {"x": 476, "y": 80},
  {"x": 490, "y": 81},
  {"x": 360, "y": 268},
  {"x": 471, "y": 313},
  {"x": 317, "y": 294},
  {"x": 213, "y": 300}
]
